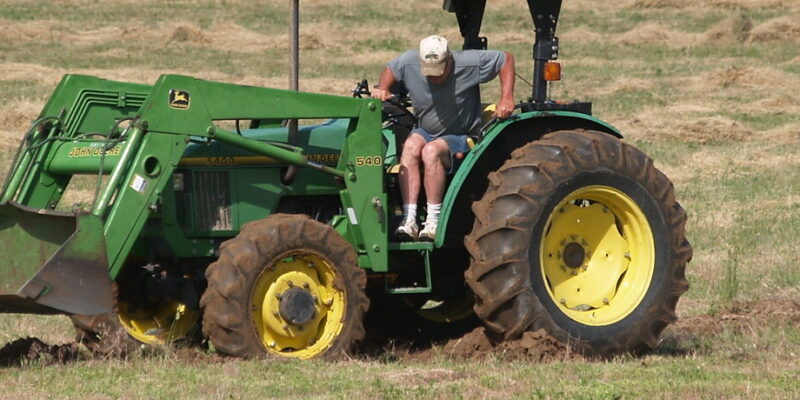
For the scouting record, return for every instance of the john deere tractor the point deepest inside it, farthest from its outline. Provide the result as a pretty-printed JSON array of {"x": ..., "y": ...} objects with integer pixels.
[{"x": 212, "y": 215}]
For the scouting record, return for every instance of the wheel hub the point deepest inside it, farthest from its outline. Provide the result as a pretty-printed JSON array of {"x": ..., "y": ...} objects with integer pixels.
[
  {"x": 574, "y": 255},
  {"x": 297, "y": 306}
]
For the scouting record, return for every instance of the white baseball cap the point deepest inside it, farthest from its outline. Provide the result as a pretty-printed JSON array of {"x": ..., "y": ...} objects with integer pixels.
[{"x": 433, "y": 54}]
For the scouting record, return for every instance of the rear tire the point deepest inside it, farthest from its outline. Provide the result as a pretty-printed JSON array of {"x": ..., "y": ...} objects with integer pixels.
[
  {"x": 286, "y": 286},
  {"x": 579, "y": 234}
]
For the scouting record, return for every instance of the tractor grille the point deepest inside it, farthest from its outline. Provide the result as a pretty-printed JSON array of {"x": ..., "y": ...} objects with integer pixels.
[{"x": 212, "y": 201}]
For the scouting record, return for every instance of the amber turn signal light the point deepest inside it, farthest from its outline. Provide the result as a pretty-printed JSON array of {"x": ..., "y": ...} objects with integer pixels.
[{"x": 552, "y": 71}]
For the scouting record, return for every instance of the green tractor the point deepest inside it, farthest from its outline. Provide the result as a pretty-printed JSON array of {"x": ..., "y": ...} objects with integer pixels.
[{"x": 211, "y": 219}]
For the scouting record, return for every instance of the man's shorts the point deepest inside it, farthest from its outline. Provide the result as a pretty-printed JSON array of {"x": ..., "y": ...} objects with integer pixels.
[{"x": 455, "y": 143}]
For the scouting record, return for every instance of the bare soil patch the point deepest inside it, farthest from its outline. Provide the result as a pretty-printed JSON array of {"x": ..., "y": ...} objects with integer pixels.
[
  {"x": 32, "y": 350},
  {"x": 535, "y": 346}
]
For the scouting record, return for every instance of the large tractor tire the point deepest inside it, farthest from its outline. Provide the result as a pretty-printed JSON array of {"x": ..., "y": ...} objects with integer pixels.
[
  {"x": 579, "y": 234},
  {"x": 128, "y": 328},
  {"x": 286, "y": 286}
]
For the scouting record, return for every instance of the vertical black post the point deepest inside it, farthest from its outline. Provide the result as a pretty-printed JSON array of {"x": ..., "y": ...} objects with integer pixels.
[
  {"x": 294, "y": 78},
  {"x": 469, "y": 14},
  {"x": 545, "y": 48},
  {"x": 294, "y": 35}
]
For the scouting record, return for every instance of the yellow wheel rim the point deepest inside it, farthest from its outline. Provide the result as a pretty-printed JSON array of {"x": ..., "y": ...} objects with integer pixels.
[
  {"x": 597, "y": 256},
  {"x": 297, "y": 310},
  {"x": 168, "y": 322}
]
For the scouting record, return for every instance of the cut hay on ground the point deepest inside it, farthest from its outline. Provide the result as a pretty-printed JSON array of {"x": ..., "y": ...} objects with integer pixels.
[{"x": 782, "y": 28}]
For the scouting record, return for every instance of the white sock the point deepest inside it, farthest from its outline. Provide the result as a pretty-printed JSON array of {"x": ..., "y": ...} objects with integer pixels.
[
  {"x": 410, "y": 211},
  {"x": 433, "y": 212}
]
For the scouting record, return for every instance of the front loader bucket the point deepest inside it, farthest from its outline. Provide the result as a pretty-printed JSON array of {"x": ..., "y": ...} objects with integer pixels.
[{"x": 52, "y": 262}]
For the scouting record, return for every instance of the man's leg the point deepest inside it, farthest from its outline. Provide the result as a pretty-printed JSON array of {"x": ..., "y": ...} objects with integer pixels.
[
  {"x": 437, "y": 160},
  {"x": 410, "y": 164}
]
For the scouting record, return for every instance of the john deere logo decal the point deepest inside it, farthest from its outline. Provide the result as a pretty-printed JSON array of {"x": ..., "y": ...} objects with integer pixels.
[{"x": 178, "y": 99}]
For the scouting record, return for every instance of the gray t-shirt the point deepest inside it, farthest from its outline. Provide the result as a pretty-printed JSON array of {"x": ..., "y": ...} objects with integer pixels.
[{"x": 454, "y": 106}]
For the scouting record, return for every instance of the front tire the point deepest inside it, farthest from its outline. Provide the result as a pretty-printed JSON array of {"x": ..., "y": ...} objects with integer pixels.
[
  {"x": 128, "y": 328},
  {"x": 286, "y": 286},
  {"x": 579, "y": 234}
]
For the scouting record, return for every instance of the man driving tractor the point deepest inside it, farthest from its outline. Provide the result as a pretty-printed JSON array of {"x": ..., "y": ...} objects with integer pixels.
[{"x": 444, "y": 91}]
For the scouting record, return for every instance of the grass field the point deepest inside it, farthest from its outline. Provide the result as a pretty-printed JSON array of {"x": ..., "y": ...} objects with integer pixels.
[{"x": 709, "y": 89}]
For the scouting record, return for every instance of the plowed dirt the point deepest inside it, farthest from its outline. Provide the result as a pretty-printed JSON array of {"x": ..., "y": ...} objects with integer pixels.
[
  {"x": 32, "y": 350},
  {"x": 743, "y": 317},
  {"x": 536, "y": 346},
  {"x": 539, "y": 347}
]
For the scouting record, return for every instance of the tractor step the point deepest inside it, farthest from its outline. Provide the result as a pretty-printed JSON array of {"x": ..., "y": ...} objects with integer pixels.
[
  {"x": 426, "y": 246},
  {"x": 424, "y": 249}
]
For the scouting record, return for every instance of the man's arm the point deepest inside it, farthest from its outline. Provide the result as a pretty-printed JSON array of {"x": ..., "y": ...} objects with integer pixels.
[
  {"x": 507, "y": 77},
  {"x": 386, "y": 81}
]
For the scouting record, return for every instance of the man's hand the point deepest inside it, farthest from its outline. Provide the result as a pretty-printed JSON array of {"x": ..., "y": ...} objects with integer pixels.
[
  {"x": 381, "y": 91},
  {"x": 503, "y": 109},
  {"x": 383, "y": 94},
  {"x": 507, "y": 76}
]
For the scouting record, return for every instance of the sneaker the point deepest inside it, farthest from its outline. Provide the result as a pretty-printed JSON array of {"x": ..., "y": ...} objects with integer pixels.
[
  {"x": 428, "y": 232},
  {"x": 407, "y": 231}
]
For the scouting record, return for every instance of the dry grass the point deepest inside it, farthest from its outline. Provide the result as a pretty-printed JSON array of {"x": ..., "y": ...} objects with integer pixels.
[{"x": 710, "y": 89}]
